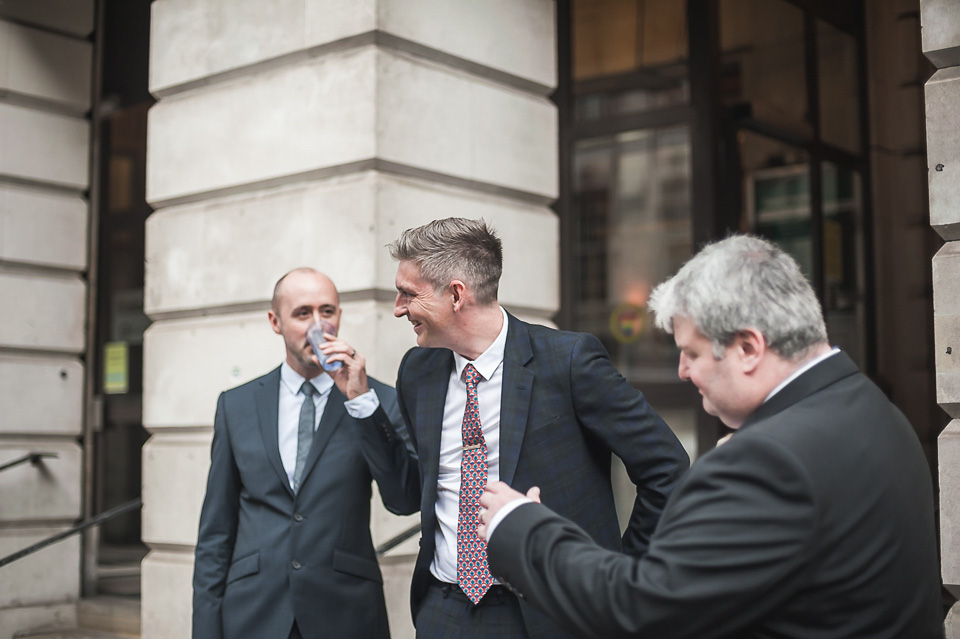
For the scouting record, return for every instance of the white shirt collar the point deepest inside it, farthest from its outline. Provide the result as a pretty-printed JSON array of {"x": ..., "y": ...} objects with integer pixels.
[
  {"x": 488, "y": 361},
  {"x": 294, "y": 380},
  {"x": 800, "y": 371}
]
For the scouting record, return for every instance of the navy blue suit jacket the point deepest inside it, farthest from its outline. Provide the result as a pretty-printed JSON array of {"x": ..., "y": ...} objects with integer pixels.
[
  {"x": 564, "y": 409},
  {"x": 265, "y": 555}
]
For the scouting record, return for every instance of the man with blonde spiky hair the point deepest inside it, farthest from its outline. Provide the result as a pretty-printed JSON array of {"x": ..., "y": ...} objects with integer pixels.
[{"x": 488, "y": 396}]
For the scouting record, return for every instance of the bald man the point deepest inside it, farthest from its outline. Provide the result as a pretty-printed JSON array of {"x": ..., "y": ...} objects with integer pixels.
[{"x": 284, "y": 546}]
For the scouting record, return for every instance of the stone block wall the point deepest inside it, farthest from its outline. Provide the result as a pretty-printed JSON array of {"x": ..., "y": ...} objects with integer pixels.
[
  {"x": 46, "y": 62},
  {"x": 941, "y": 45},
  {"x": 312, "y": 133}
]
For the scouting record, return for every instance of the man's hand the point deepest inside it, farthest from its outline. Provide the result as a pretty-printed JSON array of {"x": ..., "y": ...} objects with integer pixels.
[
  {"x": 351, "y": 378},
  {"x": 495, "y": 496}
]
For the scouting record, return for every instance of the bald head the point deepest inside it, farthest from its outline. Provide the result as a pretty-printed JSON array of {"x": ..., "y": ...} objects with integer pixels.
[
  {"x": 282, "y": 285},
  {"x": 301, "y": 297}
]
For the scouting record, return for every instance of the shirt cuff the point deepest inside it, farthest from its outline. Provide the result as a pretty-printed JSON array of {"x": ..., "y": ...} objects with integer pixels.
[
  {"x": 508, "y": 508},
  {"x": 362, "y": 406}
]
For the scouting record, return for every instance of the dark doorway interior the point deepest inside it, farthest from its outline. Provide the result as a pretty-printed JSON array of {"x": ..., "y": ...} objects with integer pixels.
[{"x": 120, "y": 322}]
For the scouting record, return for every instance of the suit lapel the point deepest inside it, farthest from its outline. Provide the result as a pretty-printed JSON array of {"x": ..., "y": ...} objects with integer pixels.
[
  {"x": 431, "y": 384},
  {"x": 267, "y": 399},
  {"x": 514, "y": 396},
  {"x": 825, "y": 373},
  {"x": 333, "y": 414}
]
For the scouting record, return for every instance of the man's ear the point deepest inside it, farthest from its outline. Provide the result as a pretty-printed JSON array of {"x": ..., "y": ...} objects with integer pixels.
[
  {"x": 274, "y": 322},
  {"x": 459, "y": 291},
  {"x": 751, "y": 347}
]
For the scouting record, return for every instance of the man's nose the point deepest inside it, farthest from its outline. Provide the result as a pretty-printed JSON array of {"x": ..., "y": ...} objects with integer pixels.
[
  {"x": 683, "y": 371},
  {"x": 398, "y": 308}
]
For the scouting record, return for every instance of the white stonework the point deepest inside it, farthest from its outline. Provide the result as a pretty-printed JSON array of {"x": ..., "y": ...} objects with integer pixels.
[
  {"x": 51, "y": 575},
  {"x": 166, "y": 591},
  {"x": 505, "y": 35},
  {"x": 189, "y": 362},
  {"x": 359, "y": 105},
  {"x": 171, "y": 502},
  {"x": 313, "y": 134},
  {"x": 42, "y": 228},
  {"x": 43, "y": 65},
  {"x": 448, "y": 121},
  {"x": 69, "y": 16},
  {"x": 46, "y": 67},
  {"x": 948, "y": 454},
  {"x": 941, "y": 32},
  {"x": 13, "y": 621},
  {"x": 198, "y": 253},
  {"x": 44, "y": 147},
  {"x": 41, "y": 395},
  {"x": 48, "y": 490},
  {"x": 941, "y": 44},
  {"x": 195, "y": 39},
  {"x": 943, "y": 151},
  {"x": 49, "y": 314}
]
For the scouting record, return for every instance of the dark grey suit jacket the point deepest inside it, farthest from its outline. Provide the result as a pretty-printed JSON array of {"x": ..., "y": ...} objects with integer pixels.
[
  {"x": 815, "y": 521},
  {"x": 564, "y": 409},
  {"x": 265, "y": 555}
]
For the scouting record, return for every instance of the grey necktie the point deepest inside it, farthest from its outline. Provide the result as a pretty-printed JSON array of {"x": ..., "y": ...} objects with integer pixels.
[{"x": 304, "y": 432}]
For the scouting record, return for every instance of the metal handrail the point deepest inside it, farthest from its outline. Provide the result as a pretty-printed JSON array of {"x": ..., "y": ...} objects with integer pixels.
[
  {"x": 390, "y": 544},
  {"x": 33, "y": 458},
  {"x": 381, "y": 550},
  {"x": 93, "y": 521}
]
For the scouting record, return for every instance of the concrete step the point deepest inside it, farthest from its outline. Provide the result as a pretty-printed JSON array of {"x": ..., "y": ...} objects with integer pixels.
[
  {"x": 73, "y": 634},
  {"x": 107, "y": 613},
  {"x": 101, "y": 617}
]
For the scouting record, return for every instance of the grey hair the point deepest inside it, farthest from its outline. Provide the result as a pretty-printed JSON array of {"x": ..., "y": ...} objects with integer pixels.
[
  {"x": 743, "y": 282},
  {"x": 454, "y": 248}
]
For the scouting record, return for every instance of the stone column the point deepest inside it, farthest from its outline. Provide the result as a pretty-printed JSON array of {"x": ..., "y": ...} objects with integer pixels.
[
  {"x": 940, "y": 21},
  {"x": 45, "y": 88},
  {"x": 312, "y": 132}
]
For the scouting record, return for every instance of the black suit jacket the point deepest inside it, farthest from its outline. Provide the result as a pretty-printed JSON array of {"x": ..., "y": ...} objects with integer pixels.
[
  {"x": 564, "y": 409},
  {"x": 265, "y": 555},
  {"x": 815, "y": 521}
]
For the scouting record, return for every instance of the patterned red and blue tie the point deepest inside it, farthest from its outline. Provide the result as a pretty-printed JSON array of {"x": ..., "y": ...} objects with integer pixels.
[{"x": 473, "y": 573}]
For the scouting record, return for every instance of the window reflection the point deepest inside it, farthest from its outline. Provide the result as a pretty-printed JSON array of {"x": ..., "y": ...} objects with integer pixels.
[
  {"x": 776, "y": 182},
  {"x": 629, "y": 56},
  {"x": 632, "y": 200},
  {"x": 838, "y": 88},
  {"x": 843, "y": 300},
  {"x": 763, "y": 68}
]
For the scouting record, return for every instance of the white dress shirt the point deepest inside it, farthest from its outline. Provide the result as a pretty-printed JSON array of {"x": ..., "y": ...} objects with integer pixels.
[
  {"x": 291, "y": 400},
  {"x": 490, "y": 366}
]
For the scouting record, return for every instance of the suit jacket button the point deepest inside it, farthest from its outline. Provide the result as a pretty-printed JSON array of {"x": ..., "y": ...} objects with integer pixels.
[
  {"x": 297, "y": 517},
  {"x": 295, "y": 564}
]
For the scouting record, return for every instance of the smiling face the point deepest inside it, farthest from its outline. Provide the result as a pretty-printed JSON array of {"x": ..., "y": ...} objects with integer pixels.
[
  {"x": 427, "y": 309},
  {"x": 727, "y": 391},
  {"x": 303, "y": 297}
]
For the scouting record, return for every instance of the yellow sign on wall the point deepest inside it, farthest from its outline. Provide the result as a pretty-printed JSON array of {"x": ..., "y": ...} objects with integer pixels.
[{"x": 116, "y": 380}]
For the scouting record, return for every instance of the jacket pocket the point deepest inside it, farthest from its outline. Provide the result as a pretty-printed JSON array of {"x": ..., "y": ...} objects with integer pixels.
[
  {"x": 546, "y": 422},
  {"x": 244, "y": 567},
  {"x": 356, "y": 565}
]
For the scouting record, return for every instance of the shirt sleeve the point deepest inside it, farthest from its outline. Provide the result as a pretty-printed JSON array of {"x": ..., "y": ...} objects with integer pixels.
[{"x": 362, "y": 406}]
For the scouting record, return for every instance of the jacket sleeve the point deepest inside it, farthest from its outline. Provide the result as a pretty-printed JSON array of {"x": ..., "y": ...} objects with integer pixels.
[
  {"x": 390, "y": 456},
  {"x": 620, "y": 416},
  {"x": 217, "y": 533},
  {"x": 736, "y": 542}
]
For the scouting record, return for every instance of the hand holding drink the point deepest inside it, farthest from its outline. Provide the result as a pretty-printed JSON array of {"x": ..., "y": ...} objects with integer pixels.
[{"x": 315, "y": 336}]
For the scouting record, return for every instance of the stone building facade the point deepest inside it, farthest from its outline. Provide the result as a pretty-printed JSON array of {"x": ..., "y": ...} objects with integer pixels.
[{"x": 312, "y": 132}]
